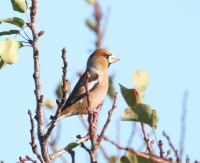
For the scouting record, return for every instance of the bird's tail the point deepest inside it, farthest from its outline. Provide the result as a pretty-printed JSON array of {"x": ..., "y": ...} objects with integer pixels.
[
  {"x": 61, "y": 117},
  {"x": 48, "y": 125}
]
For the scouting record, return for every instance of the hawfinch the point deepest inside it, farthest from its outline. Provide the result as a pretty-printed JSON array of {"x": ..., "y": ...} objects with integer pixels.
[{"x": 97, "y": 67}]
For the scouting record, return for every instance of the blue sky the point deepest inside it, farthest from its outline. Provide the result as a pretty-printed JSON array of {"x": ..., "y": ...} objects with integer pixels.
[{"x": 161, "y": 37}]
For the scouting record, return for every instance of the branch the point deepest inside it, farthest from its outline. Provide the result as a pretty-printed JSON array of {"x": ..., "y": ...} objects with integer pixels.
[
  {"x": 54, "y": 140},
  {"x": 33, "y": 145},
  {"x": 38, "y": 85},
  {"x": 72, "y": 153},
  {"x": 26, "y": 159},
  {"x": 62, "y": 151},
  {"x": 161, "y": 148},
  {"x": 168, "y": 153},
  {"x": 64, "y": 93},
  {"x": 108, "y": 120},
  {"x": 187, "y": 159},
  {"x": 92, "y": 127},
  {"x": 98, "y": 16},
  {"x": 183, "y": 123},
  {"x": 172, "y": 146},
  {"x": 139, "y": 154},
  {"x": 132, "y": 134},
  {"x": 146, "y": 138},
  {"x": 105, "y": 154}
]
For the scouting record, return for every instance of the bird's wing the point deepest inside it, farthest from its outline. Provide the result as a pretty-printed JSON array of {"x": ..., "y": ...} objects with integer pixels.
[{"x": 79, "y": 91}]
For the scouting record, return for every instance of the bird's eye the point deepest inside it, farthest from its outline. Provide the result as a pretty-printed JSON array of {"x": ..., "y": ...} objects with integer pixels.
[{"x": 106, "y": 55}]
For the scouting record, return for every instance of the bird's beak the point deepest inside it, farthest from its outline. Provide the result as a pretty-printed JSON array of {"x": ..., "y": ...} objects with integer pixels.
[{"x": 112, "y": 59}]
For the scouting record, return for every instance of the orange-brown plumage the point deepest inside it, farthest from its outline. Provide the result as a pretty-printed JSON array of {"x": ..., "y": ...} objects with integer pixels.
[{"x": 97, "y": 67}]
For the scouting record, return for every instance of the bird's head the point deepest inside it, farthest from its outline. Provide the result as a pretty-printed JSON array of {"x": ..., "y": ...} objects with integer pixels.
[{"x": 101, "y": 59}]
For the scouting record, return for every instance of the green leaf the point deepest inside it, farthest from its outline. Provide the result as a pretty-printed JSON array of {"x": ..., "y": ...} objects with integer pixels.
[
  {"x": 141, "y": 113},
  {"x": 90, "y": 24},
  {"x": 128, "y": 115},
  {"x": 124, "y": 159},
  {"x": 50, "y": 103},
  {"x": 113, "y": 159},
  {"x": 9, "y": 32},
  {"x": 140, "y": 98},
  {"x": 59, "y": 90},
  {"x": 128, "y": 95},
  {"x": 131, "y": 157},
  {"x": 16, "y": 21},
  {"x": 140, "y": 79},
  {"x": 71, "y": 146},
  {"x": 111, "y": 89},
  {"x": 8, "y": 50},
  {"x": 19, "y": 5},
  {"x": 2, "y": 63}
]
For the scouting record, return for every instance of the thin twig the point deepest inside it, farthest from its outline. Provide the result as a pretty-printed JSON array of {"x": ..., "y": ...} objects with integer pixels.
[
  {"x": 118, "y": 130},
  {"x": 92, "y": 129},
  {"x": 183, "y": 123},
  {"x": 54, "y": 141},
  {"x": 23, "y": 37},
  {"x": 20, "y": 31},
  {"x": 38, "y": 85},
  {"x": 28, "y": 158},
  {"x": 105, "y": 154},
  {"x": 161, "y": 148},
  {"x": 98, "y": 16},
  {"x": 62, "y": 151},
  {"x": 108, "y": 120},
  {"x": 172, "y": 146},
  {"x": 84, "y": 147},
  {"x": 64, "y": 93},
  {"x": 132, "y": 134},
  {"x": 100, "y": 146},
  {"x": 72, "y": 153},
  {"x": 33, "y": 145},
  {"x": 140, "y": 154},
  {"x": 168, "y": 153},
  {"x": 146, "y": 139},
  {"x": 187, "y": 159}
]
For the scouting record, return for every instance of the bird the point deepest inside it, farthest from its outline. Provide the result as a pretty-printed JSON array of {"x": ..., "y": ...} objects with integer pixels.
[{"x": 98, "y": 82}]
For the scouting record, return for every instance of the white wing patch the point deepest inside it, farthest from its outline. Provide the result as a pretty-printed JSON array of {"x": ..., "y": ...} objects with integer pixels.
[
  {"x": 80, "y": 101},
  {"x": 91, "y": 84}
]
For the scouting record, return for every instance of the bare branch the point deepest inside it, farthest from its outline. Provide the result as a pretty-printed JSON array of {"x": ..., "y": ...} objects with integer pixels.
[
  {"x": 183, "y": 123},
  {"x": 38, "y": 85},
  {"x": 92, "y": 127},
  {"x": 84, "y": 147},
  {"x": 108, "y": 119},
  {"x": 98, "y": 16},
  {"x": 33, "y": 145},
  {"x": 172, "y": 146},
  {"x": 26, "y": 159},
  {"x": 64, "y": 93},
  {"x": 62, "y": 151},
  {"x": 105, "y": 154},
  {"x": 146, "y": 139},
  {"x": 132, "y": 134},
  {"x": 72, "y": 153},
  {"x": 168, "y": 153},
  {"x": 140, "y": 154},
  {"x": 161, "y": 148}
]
